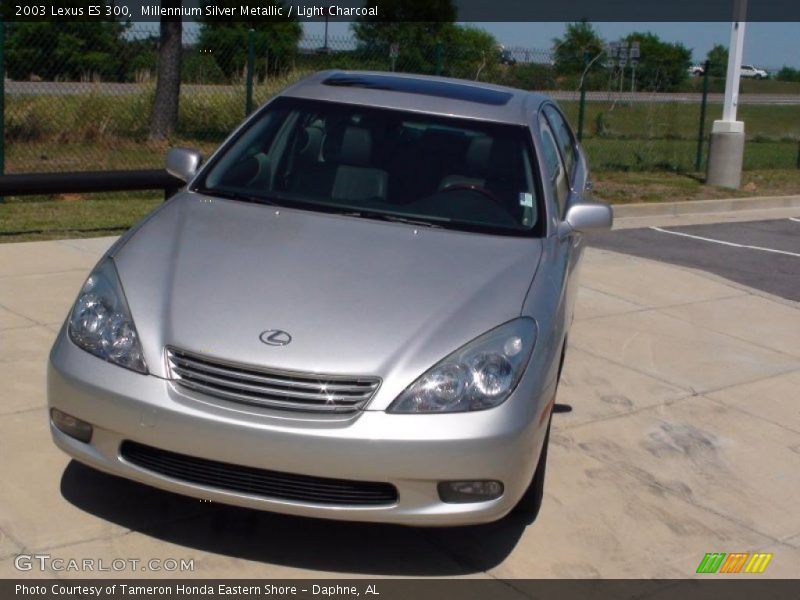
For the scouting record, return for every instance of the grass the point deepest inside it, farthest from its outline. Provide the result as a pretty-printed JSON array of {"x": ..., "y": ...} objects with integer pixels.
[
  {"x": 72, "y": 216},
  {"x": 76, "y": 216},
  {"x": 747, "y": 86},
  {"x": 659, "y": 120},
  {"x": 660, "y": 186}
]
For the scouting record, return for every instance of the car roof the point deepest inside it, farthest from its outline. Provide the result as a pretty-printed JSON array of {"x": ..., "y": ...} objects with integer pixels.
[{"x": 421, "y": 93}]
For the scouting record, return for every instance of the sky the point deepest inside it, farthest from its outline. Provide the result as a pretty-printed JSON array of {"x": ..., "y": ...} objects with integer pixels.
[{"x": 767, "y": 45}]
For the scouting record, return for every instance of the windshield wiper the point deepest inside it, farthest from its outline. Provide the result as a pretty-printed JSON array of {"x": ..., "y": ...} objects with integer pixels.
[
  {"x": 369, "y": 214},
  {"x": 241, "y": 196}
]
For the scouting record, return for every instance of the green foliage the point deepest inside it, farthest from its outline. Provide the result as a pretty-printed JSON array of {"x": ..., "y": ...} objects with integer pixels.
[
  {"x": 416, "y": 25},
  {"x": 469, "y": 53},
  {"x": 201, "y": 67},
  {"x": 527, "y": 76},
  {"x": 788, "y": 74},
  {"x": 718, "y": 57},
  {"x": 579, "y": 46},
  {"x": 65, "y": 49},
  {"x": 662, "y": 66},
  {"x": 275, "y": 40}
]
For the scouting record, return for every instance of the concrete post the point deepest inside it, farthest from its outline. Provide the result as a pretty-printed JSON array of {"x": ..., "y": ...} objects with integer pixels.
[{"x": 726, "y": 154}]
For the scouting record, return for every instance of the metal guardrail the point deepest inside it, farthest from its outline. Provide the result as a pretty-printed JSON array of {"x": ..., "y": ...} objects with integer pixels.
[{"x": 30, "y": 184}]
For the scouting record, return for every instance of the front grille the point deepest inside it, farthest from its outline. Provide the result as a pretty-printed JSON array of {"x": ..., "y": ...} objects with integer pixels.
[
  {"x": 268, "y": 387},
  {"x": 258, "y": 482}
]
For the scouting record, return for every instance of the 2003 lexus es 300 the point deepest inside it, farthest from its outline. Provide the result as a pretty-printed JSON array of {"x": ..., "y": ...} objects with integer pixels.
[{"x": 356, "y": 309}]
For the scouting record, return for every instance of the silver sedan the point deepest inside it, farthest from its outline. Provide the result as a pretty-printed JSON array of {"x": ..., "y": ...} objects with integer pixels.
[{"x": 356, "y": 309}]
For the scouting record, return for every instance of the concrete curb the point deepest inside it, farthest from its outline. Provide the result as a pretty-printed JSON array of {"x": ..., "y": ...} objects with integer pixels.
[{"x": 701, "y": 207}]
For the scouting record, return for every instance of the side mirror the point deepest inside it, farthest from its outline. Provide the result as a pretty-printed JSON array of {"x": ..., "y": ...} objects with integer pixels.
[
  {"x": 183, "y": 163},
  {"x": 587, "y": 216}
]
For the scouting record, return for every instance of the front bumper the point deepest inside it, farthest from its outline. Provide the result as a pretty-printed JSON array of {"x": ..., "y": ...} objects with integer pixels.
[{"x": 412, "y": 452}]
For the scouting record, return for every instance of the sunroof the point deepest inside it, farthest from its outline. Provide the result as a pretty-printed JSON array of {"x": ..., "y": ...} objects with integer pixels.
[{"x": 427, "y": 87}]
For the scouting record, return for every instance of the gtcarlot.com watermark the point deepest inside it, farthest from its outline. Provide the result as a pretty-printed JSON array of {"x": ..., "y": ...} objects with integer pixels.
[{"x": 47, "y": 562}]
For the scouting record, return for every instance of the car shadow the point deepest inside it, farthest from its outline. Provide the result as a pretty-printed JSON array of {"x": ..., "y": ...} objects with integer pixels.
[{"x": 304, "y": 543}]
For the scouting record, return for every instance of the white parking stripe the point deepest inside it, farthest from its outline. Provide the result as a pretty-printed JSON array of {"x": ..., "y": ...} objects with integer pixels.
[
  {"x": 795, "y": 220},
  {"x": 724, "y": 243}
]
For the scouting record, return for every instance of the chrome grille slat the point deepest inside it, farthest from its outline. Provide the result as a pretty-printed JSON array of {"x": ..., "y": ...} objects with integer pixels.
[
  {"x": 270, "y": 388},
  {"x": 255, "y": 401}
]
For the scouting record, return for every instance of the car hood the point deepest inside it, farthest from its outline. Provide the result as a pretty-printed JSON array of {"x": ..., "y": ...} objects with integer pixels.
[{"x": 358, "y": 297}]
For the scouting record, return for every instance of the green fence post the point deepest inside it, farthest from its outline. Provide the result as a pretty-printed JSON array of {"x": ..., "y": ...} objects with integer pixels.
[
  {"x": 439, "y": 58},
  {"x": 798, "y": 154},
  {"x": 698, "y": 159},
  {"x": 2, "y": 102},
  {"x": 582, "y": 108},
  {"x": 251, "y": 58}
]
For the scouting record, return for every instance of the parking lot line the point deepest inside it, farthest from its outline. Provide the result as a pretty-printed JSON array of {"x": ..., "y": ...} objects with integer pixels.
[
  {"x": 795, "y": 220},
  {"x": 724, "y": 243}
]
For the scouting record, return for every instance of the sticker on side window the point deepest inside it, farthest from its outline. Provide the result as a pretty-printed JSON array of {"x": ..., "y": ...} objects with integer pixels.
[{"x": 526, "y": 199}]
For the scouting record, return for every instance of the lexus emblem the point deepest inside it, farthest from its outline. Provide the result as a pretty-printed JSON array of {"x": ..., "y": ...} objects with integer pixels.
[{"x": 275, "y": 337}]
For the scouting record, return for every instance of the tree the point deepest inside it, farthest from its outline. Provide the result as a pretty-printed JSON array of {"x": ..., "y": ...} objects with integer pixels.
[
  {"x": 788, "y": 74},
  {"x": 275, "y": 39},
  {"x": 469, "y": 52},
  {"x": 662, "y": 65},
  {"x": 718, "y": 57},
  {"x": 164, "y": 118},
  {"x": 580, "y": 44},
  {"x": 428, "y": 38},
  {"x": 417, "y": 26},
  {"x": 70, "y": 50}
]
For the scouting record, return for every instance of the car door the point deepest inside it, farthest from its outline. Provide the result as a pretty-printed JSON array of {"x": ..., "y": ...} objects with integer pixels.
[{"x": 578, "y": 189}]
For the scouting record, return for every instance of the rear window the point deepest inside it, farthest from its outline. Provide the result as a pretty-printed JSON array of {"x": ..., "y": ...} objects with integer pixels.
[{"x": 379, "y": 163}]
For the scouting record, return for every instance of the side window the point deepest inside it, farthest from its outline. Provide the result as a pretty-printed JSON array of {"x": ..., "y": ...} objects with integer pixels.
[
  {"x": 566, "y": 143},
  {"x": 556, "y": 175}
]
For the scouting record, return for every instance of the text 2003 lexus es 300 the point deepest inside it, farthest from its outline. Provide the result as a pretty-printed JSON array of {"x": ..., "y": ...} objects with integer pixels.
[{"x": 356, "y": 309}]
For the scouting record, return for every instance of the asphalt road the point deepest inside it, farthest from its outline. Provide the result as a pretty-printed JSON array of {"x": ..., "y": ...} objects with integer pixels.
[
  {"x": 761, "y": 254},
  {"x": 72, "y": 88}
]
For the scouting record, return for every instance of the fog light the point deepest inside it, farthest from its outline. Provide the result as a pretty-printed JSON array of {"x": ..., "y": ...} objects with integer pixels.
[
  {"x": 469, "y": 491},
  {"x": 80, "y": 430}
]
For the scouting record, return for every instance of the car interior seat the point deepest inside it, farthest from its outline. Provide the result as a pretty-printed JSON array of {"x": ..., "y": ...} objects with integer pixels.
[{"x": 355, "y": 179}]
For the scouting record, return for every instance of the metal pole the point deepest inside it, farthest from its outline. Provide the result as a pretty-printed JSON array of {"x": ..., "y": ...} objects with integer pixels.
[
  {"x": 633, "y": 77},
  {"x": 734, "y": 66},
  {"x": 582, "y": 109},
  {"x": 439, "y": 58},
  {"x": 698, "y": 161},
  {"x": 798, "y": 154},
  {"x": 251, "y": 57}
]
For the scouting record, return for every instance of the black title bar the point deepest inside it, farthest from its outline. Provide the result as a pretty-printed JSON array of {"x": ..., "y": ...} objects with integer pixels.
[{"x": 351, "y": 10}]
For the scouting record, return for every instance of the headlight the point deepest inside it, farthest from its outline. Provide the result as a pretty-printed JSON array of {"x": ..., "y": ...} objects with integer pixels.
[
  {"x": 480, "y": 375},
  {"x": 101, "y": 322}
]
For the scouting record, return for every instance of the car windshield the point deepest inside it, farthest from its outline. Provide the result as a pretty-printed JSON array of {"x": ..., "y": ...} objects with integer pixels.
[{"x": 382, "y": 164}]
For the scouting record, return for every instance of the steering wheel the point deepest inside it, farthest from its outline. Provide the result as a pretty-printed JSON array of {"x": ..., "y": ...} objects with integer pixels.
[{"x": 453, "y": 187}]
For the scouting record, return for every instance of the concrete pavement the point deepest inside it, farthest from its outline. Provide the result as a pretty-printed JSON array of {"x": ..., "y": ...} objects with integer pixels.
[{"x": 677, "y": 434}]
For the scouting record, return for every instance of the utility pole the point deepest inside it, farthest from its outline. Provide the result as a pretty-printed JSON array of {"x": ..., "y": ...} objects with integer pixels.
[
  {"x": 726, "y": 149},
  {"x": 635, "y": 52}
]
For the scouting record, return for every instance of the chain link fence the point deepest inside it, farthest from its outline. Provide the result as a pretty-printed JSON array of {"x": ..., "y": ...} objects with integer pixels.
[{"x": 84, "y": 102}]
